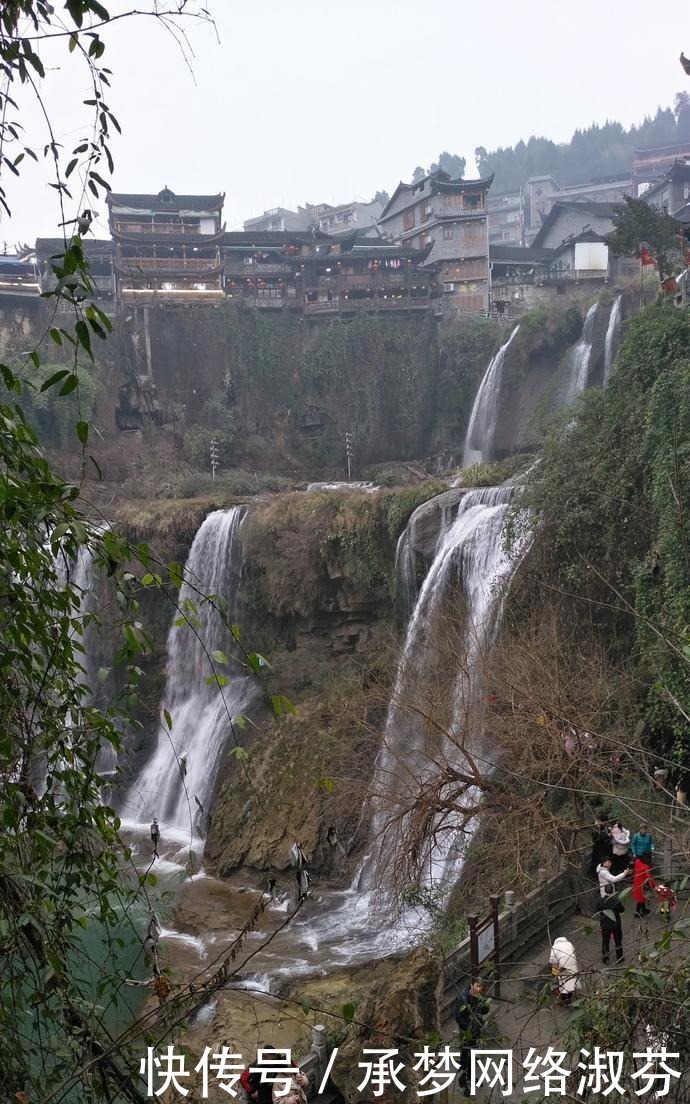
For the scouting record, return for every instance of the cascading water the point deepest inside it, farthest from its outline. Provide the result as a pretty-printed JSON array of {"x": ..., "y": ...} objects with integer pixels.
[
  {"x": 482, "y": 425},
  {"x": 580, "y": 356},
  {"x": 177, "y": 782},
  {"x": 611, "y": 342},
  {"x": 471, "y": 552}
]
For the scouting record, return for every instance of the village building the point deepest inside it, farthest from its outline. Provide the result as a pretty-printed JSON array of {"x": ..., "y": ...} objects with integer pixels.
[
  {"x": 97, "y": 251},
  {"x": 19, "y": 274},
  {"x": 672, "y": 192},
  {"x": 449, "y": 219},
  {"x": 277, "y": 220},
  {"x": 348, "y": 217},
  {"x": 339, "y": 220},
  {"x": 507, "y": 218},
  {"x": 325, "y": 276},
  {"x": 651, "y": 163},
  {"x": 167, "y": 246}
]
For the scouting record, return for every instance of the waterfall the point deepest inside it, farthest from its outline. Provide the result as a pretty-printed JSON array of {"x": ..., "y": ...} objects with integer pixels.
[
  {"x": 470, "y": 553},
  {"x": 482, "y": 425},
  {"x": 177, "y": 783},
  {"x": 579, "y": 357},
  {"x": 405, "y": 567},
  {"x": 611, "y": 343}
]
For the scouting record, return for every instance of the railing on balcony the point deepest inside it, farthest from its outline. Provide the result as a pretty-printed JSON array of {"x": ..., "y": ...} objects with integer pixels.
[
  {"x": 459, "y": 212},
  {"x": 344, "y": 306},
  {"x": 157, "y": 227},
  {"x": 258, "y": 269},
  {"x": 554, "y": 274},
  {"x": 170, "y": 264}
]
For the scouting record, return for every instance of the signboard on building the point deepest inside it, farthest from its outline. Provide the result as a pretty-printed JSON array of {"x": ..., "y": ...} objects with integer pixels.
[{"x": 591, "y": 256}]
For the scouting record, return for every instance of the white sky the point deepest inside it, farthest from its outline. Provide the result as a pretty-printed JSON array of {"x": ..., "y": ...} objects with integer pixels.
[{"x": 321, "y": 101}]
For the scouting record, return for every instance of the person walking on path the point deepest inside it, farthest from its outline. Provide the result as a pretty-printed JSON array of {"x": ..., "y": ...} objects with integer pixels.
[
  {"x": 470, "y": 1013},
  {"x": 620, "y": 840},
  {"x": 611, "y": 928},
  {"x": 642, "y": 880},
  {"x": 607, "y": 880},
  {"x": 601, "y": 843},
  {"x": 564, "y": 966},
  {"x": 642, "y": 843}
]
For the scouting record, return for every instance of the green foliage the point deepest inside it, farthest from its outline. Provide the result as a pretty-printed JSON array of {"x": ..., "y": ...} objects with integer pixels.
[
  {"x": 228, "y": 485},
  {"x": 55, "y": 412},
  {"x": 598, "y": 150},
  {"x": 465, "y": 348},
  {"x": 610, "y": 500},
  {"x": 303, "y": 547},
  {"x": 491, "y": 474},
  {"x": 447, "y": 931},
  {"x": 638, "y": 225}
]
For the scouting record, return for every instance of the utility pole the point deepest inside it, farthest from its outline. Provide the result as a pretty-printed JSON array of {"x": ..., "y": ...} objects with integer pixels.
[
  {"x": 214, "y": 458},
  {"x": 348, "y": 453}
]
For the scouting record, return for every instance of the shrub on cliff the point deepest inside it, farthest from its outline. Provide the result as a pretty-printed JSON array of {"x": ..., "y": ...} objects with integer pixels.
[{"x": 610, "y": 500}]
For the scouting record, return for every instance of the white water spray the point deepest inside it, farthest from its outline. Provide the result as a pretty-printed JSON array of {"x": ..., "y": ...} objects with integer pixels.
[
  {"x": 482, "y": 425},
  {"x": 177, "y": 783},
  {"x": 611, "y": 343},
  {"x": 580, "y": 356},
  {"x": 471, "y": 554}
]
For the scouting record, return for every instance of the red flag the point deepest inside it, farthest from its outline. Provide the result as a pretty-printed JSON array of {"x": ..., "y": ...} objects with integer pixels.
[{"x": 646, "y": 257}]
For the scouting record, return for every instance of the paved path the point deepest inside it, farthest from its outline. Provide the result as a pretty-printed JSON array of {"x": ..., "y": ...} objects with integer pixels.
[{"x": 521, "y": 1024}]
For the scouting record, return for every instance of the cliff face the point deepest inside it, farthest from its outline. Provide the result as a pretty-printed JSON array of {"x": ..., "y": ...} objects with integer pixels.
[{"x": 276, "y": 394}]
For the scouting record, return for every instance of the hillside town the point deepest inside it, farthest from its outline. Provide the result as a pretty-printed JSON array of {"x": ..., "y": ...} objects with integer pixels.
[{"x": 439, "y": 245}]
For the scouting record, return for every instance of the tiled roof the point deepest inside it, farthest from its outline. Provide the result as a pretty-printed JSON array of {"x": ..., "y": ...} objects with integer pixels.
[
  {"x": 517, "y": 254},
  {"x": 276, "y": 238},
  {"x": 583, "y": 207},
  {"x": 57, "y": 245},
  {"x": 174, "y": 202},
  {"x": 443, "y": 182}
]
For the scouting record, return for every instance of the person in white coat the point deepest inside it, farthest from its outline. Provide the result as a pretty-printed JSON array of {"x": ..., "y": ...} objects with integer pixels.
[
  {"x": 620, "y": 841},
  {"x": 564, "y": 966},
  {"x": 607, "y": 880}
]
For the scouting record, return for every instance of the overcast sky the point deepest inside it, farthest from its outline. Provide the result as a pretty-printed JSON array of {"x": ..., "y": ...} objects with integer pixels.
[{"x": 322, "y": 101}]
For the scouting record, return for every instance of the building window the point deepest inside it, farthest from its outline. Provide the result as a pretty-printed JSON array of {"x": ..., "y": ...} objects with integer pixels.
[
  {"x": 408, "y": 218},
  {"x": 447, "y": 233}
]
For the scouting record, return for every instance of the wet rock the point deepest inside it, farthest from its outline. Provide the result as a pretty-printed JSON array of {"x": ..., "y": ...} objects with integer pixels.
[
  {"x": 406, "y": 1006},
  {"x": 428, "y": 520}
]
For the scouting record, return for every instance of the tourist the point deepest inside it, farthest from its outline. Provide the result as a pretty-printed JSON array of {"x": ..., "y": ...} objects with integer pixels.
[
  {"x": 297, "y": 1092},
  {"x": 601, "y": 843},
  {"x": 642, "y": 879},
  {"x": 610, "y": 922},
  {"x": 607, "y": 880},
  {"x": 155, "y": 836},
  {"x": 642, "y": 843},
  {"x": 620, "y": 839},
  {"x": 565, "y": 968},
  {"x": 668, "y": 901},
  {"x": 259, "y": 1091},
  {"x": 470, "y": 1013}
]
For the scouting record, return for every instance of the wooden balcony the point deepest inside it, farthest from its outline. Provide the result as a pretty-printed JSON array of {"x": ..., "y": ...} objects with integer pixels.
[
  {"x": 371, "y": 306},
  {"x": 169, "y": 264},
  {"x": 257, "y": 269},
  {"x": 179, "y": 228}
]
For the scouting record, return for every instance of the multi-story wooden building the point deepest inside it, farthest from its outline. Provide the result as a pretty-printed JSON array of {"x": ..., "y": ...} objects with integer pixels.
[
  {"x": 323, "y": 276},
  {"x": 167, "y": 246},
  {"x": 448, "y": 219}
]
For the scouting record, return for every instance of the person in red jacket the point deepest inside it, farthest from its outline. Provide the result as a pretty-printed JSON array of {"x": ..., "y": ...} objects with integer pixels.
[{"x": 642, "y": 880}]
